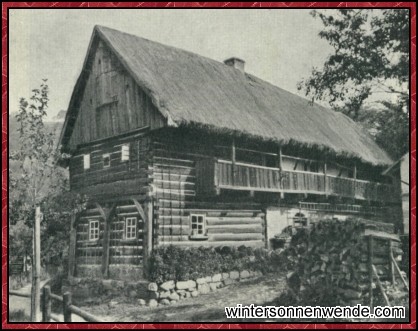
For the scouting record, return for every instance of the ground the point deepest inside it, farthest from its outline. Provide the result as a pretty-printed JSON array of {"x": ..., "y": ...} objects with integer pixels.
[
  {"x": 19, "y": 307},
  {"x": 205, "y": 308}
]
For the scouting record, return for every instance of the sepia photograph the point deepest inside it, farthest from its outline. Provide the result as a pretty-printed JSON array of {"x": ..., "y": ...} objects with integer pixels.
[{"x": 208, "y": 165}]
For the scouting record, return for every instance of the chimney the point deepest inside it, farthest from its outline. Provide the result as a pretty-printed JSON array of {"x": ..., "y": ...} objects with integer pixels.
[{"x": 236, "y": 63}]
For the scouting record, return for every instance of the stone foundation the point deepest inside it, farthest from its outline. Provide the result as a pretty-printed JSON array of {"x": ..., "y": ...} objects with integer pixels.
[
  {"x": 93, "y": 290},
  {"x": 171, "y": 292}
]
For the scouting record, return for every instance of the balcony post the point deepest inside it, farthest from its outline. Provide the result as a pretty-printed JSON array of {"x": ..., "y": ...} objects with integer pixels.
[
  {"x": 325, "y": 179},
  {"x": 280, "y": 166},
  {"x": 354, "y": 180}
]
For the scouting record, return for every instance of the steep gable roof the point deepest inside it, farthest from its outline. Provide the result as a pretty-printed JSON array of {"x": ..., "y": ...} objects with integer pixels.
[{"x": 189, "y": 89}]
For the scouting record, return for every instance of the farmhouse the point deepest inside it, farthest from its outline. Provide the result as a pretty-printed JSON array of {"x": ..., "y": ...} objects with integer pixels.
[{"x": 177, "y": 149}]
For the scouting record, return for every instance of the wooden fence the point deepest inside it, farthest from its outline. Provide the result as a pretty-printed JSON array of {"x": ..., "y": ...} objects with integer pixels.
[{"x": 67, "y": 308}]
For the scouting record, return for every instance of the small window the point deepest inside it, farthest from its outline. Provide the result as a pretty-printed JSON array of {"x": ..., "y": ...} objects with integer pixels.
[
  {"x": 198, "y": 225},
  {"x": 86, "y": 161},
  {"x": 125, "y": 152},
  {"x": 106, "y": 160},
  {"x": 130, "y": 228},
  {"x": 94, "y": 230}
]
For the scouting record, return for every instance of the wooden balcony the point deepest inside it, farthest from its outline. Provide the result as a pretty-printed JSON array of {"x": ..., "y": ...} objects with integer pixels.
[{"x": 214, "y": 174}]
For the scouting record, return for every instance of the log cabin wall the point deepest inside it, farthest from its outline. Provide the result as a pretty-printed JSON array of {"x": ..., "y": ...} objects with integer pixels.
[
  {"x": 112, "y": 103},
  {"x": 117, "y": 180},
  {"x": 185, "y": 218},
  {"x": 108, "y": 173},
  {"x": 123, "y": 241}
]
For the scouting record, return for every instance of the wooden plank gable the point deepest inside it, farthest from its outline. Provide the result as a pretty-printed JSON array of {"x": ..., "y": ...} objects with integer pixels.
[{"x": 112, "y": 103}]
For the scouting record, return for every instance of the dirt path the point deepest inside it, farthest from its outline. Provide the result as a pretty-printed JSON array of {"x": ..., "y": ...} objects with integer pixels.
[
  {"x": 205, "y": 308},
  {"x": 23, "y": 304}
]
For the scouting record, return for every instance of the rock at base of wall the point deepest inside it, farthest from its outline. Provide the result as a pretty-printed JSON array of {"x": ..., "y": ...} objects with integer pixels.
[
  {"x": 174, "y": 296},
  {"x": 165, "y": 302},
  {"x": 153, "y": 287},
  {"x": 244, "y": 274},
  {"x": 225, "y": 275},
  {"x": 164, "y": 294},
  {"x": 214, "y": 286},
  {"x": 142, "y": 302},
  {"x": 153, "y": 303},
  {"x": 201, "y": 281},
  {"x": 228, "y": 281},
  {"x": 234, "y": 275},
  {"x": 203, "y": 288},
  {"x": 194, "y": 294},
  {"x": 167, "y": 286},
  {"x": 182, "y": 285},
  {"x": 216, "y": 278}
]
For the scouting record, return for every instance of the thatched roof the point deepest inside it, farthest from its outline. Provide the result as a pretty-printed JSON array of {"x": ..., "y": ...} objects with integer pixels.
[{"x": 190, "y": 89}]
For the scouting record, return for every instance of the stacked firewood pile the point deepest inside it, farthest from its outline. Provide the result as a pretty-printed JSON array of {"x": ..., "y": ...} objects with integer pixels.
[{"x": 329, "y": 263}]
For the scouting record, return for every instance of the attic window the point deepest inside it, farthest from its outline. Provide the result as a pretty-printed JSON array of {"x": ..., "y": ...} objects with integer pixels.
[
  {"x": 125, "y": 152},
  {"x": 86, "y": 161},
  {"x": 106, "y": 160}
]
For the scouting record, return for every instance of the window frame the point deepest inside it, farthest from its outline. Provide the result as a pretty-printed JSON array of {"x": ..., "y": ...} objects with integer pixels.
[
  {"x": 86, "y": 161},
  {"x": 195, "y": 234},
  {"x": 135, "y": 226},
  {"x": 125, "y": 157},
  {"x": 94, "y": 221},
  {"x": 104, "y": 156}
]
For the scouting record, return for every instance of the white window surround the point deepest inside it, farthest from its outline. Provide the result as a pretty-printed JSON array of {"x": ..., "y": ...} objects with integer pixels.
[
  {"x": 106, "y": 160},
  {"x": 198, "y": 226},
  {"x": 86, "y": 161},
  {"x": 94, "y": 230},
  {"x": 125, "y": 152},
  {"x": 130, "y": 227}
]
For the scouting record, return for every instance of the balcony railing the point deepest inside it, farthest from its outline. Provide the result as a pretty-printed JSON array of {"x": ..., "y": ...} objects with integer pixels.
[{"x": 222, "y": 174}]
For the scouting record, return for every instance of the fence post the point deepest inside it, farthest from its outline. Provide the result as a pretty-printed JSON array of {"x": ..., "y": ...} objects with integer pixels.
[
  {"x": 72, "y": 247},
  {"x": 66, "y": 306},
  {"x": 46, "y": 304},
  {"x": 36, "y": 267}
]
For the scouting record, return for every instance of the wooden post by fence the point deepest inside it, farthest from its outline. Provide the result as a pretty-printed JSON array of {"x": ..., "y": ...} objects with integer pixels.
[
  {"x": 36, "y": 268},
  {"x": 72, "y": 246},
  {"x": 106, "y": 247},
  {"x": 148, "y": 233},
  {"x": 46, "y": 304},
  {"x": 66, "y": 306}
]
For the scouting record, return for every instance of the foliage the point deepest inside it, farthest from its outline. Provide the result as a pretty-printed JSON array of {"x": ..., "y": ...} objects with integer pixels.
[
  {"x": 389, "y": 126},
  {"x": 35, "y": 180},
  {"x": 369, "y": 63},
  {"x": 176, "y": 263}
]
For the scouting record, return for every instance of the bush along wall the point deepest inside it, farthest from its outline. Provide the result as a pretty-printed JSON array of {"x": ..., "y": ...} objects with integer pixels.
[
  {"x": 179, "y": 264},
  {"x": 177, "y": 273}
]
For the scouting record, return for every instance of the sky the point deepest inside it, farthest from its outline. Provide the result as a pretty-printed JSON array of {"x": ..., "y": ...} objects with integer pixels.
[{"x": 278, "y": 45}]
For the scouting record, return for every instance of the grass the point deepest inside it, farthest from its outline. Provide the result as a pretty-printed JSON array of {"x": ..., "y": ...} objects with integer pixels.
[{"x": 18, "y": 316}]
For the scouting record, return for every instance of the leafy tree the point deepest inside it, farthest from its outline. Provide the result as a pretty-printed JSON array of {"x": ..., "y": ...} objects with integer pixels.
[
  {"x": 35, "y": 180},
  {"x": 369, "y": 64}
]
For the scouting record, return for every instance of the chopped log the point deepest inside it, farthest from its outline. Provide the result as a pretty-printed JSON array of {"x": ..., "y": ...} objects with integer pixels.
[{"x": 382, "y": 290}]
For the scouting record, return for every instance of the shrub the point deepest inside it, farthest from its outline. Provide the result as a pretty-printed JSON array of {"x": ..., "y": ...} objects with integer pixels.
[{"x": 175, "y": 263}]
